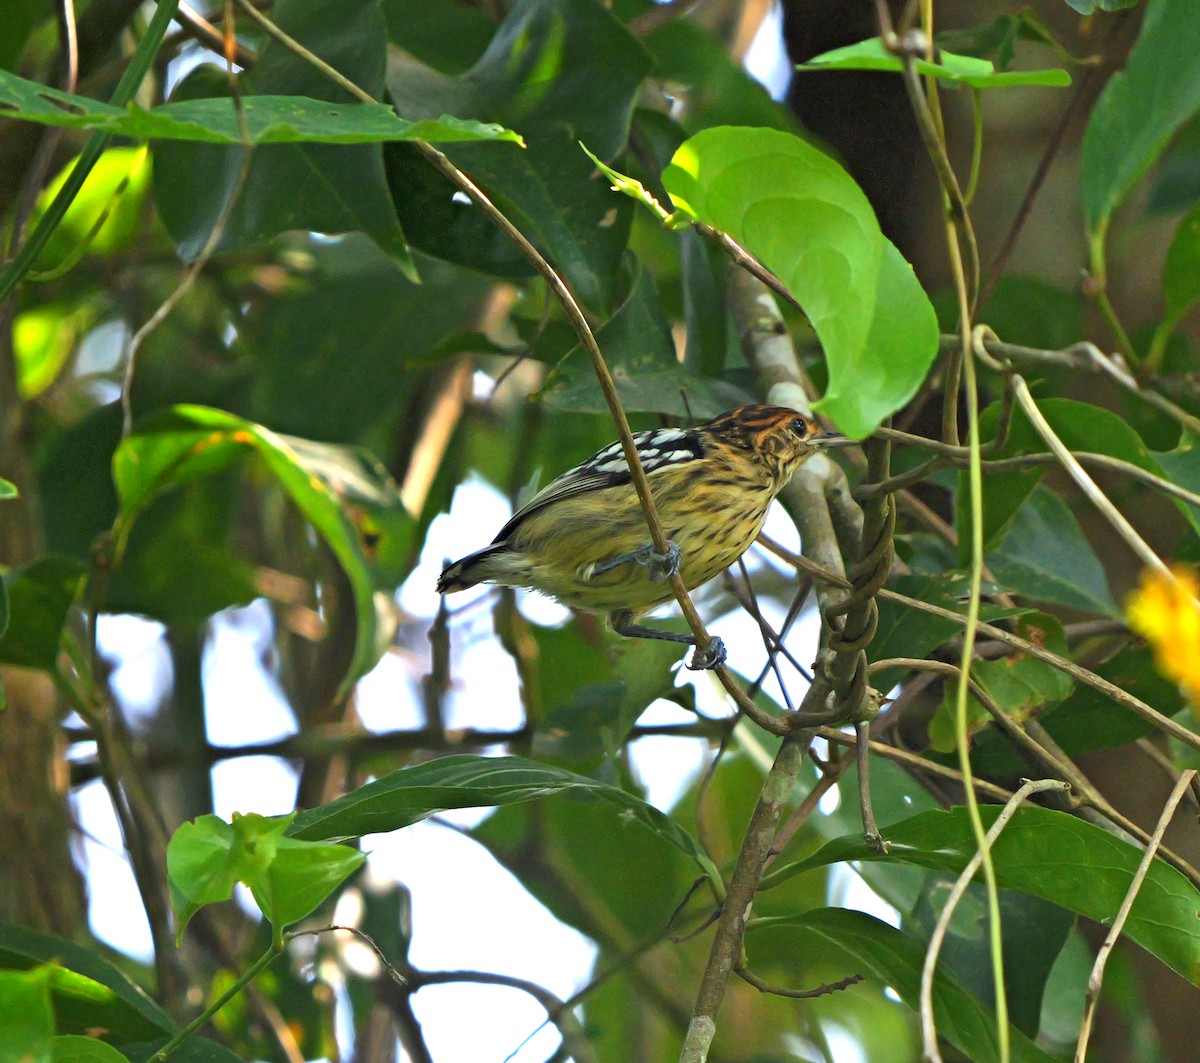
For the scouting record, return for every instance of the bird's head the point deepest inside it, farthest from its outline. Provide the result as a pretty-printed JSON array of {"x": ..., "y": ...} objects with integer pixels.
[{"x": 779, "y": 437}]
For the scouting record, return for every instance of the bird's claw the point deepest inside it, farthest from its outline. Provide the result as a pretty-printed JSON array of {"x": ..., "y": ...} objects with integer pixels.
[
  {"x": 662, "y": 566},
  {"x": 709, "y": 657}
]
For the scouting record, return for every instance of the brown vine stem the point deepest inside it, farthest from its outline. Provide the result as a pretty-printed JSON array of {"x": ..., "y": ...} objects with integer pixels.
[
  {"x": 726, "y": 954},
  {"x": 1097, "y": 977},
  {"x": 928, "y": 1026},
  {"x": 1075, "y": 671}
]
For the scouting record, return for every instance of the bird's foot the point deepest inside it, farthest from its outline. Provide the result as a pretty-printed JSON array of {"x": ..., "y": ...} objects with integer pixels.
[
  {"x": 709, "y": 657},
  {"x": 662, "y": 566}
]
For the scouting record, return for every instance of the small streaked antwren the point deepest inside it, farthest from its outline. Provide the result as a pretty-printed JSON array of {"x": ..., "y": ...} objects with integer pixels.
[{"x": 583, "y": 538}]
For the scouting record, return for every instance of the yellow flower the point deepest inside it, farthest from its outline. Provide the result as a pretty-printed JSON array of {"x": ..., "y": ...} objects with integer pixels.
[{"x": 1166, "y": 612}]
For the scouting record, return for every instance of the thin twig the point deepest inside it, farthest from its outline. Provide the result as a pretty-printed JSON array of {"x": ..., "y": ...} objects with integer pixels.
[
  {"x": 1097, "y": 977},
  {"x": 1086, "y": 484}
]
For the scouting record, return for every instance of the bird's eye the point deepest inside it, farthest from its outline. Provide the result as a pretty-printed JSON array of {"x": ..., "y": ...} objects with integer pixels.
[{"x": 800, "y": 426}]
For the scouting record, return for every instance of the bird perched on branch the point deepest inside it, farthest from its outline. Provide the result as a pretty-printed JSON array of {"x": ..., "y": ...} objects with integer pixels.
[{"x": 583, "y": 538}]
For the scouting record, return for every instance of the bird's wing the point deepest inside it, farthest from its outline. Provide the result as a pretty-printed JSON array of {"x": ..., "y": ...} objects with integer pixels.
[{"x": 657, "y": 449}]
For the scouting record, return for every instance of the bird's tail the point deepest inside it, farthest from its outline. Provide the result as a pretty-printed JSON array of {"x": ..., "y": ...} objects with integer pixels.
[{"x": 469, "y": 571}]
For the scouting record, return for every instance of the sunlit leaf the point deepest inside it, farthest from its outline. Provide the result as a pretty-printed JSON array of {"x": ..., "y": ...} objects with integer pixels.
[
  {"x": 959, "y": 69},
  {"x": 804, "y": 218}
]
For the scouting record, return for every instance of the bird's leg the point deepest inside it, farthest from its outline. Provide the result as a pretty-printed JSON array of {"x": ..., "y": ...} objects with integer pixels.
[
  {"x": 661, "y": 566},
  {"x": 709, "y": 657}
]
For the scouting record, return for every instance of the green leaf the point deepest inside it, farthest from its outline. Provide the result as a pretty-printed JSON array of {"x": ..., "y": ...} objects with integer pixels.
[
  {"x": 1082, "y": 427},
  {"x": 896, "y": 960},
  {"x": 1141, "y": 108},
  {"x": 1044, "y": 556},
  {"x": 355, "y": 298},
  {"x": 20, "y": 19},
  {"x": 803, "y": 216},
  {"x": 443, "y": 34},
  {"x": 26, "y": 1018},
  {"x": 410, "y": 794},
  {"x": 640, "y": 352},
  {"x": 288, "y": 877},
  {"x": 270, "y": 119},
  {"x": 1055, "y": 856},
  {"x": 907, "y": 632},
  {"x": 103, "y": 997},
  {"x": 105, "y": 214},
  {"x": 321, "y": 187},
  {"x": 558, "y": 71},
  {"x": 74, "y": 1048},
  {"x": 959, "y": 69},
  {"x": 46, "y": 334},
  {"x": 39, "y": 596},
  {"x": 1088, "y": 720},
  {"x": 300, "y": 877},
  {"x": 351, "y": 504},
  {"x": 7, "y": 489},
  {"x": 1020, "y": 685}
]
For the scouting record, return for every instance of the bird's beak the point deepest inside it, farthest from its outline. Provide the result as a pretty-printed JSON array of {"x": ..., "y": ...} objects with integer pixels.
[{"x": 830, "y": 439}]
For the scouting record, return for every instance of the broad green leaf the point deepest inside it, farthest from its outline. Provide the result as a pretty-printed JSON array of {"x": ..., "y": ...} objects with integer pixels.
[
  {"x": 7, "y": 489},
  {"x": 1176, "y": 185},
  {"x": 39, "y": 596},
  {"x": 640, "y": 353},
  {"x": 872, "y": 947},
  {"x": 902, "y": 340},
  {"x": 1020, "y": 685},
  {"x": 592, "y": 694},
  {"x": 802, "y": 215},
  {"x": 195, "y": 521},
  {"x": 558, "y": 72},
  {"x": 20, "y": 19},
  {"x": 354, "y": 298},
  {"x": 1045, "y": 557},
  {"x": 443, "y": 34},
  {"x": 351, "y": 504},
  {"x": 270, "y": 119},
  {"x": 1061, "y": 859},
  {"x": 301, "y": 876},
  {"x": 1082, "y": 427},
  {"x": 288, "y": 877},
  {"x": 200, "y": 860},
  {"x": 26, "y": 1017},
  {"x": 959, "y": 69},
  {"x": 1088, "y": 720},
  {"x": 102, "y": 997},
  {"x": 906, "y": 632},
  {"x": 410, "y": 794},
  {"x": 1141, "y": 108},
  {"x": 74, "y": 1048},
  {"x": 321, "y": 187}
]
